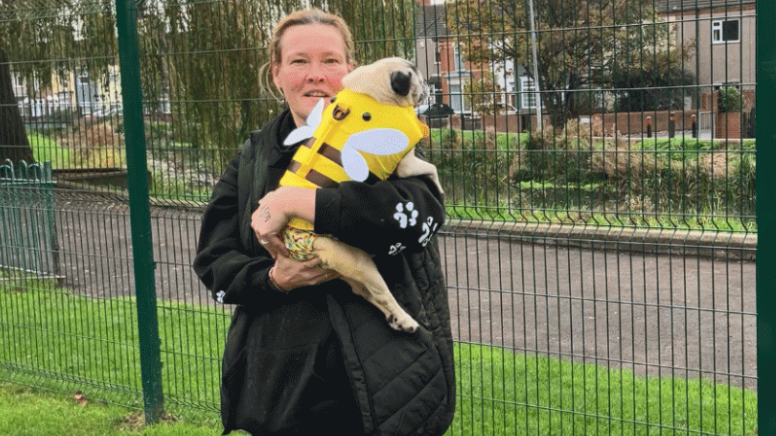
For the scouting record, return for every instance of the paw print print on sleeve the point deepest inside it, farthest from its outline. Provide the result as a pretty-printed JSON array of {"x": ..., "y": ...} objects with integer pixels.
[
  {"x": 406, "y": 214},
  {"x": 220, "y": 297},
  {"x": 429, "y": 227},
  {"x": 396, "y": 249}
]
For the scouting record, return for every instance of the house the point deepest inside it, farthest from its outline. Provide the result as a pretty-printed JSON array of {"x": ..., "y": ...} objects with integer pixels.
[
  {"x": 723, "y": 35},
  {"x": 42, "y": 103},
  {"x": 440, "y": 59},
  {"x": 442, "y": 63},
  {"x": 72, "y": 95}
]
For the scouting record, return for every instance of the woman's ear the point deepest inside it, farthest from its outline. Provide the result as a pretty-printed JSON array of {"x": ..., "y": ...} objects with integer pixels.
[{"x": 274, "y": 69}]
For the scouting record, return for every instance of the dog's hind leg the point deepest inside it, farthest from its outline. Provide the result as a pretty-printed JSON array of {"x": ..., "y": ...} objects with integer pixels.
[{"x": 360, "y": 271}]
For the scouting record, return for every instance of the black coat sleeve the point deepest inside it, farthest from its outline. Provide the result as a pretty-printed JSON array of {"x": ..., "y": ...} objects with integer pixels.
[
  {"x": 230, "y": 272},
  {"x": 384, "y": 218}
]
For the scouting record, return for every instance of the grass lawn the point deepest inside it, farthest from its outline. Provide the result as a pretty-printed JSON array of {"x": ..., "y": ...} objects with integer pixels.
[
  {"x": 25, "y": 411},
  {"x": 66, "y": 343},
  {"x": 504, "y": 393},
  {"x": 45, "y": 149},
  {"x": 506, "y": 214}
]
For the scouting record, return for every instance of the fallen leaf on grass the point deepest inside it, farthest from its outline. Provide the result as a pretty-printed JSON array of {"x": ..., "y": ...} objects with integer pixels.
[{"x": 80, "y": 398}]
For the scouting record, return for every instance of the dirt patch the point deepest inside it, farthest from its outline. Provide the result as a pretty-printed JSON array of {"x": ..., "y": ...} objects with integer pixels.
[{"x": 136, "y": 421}]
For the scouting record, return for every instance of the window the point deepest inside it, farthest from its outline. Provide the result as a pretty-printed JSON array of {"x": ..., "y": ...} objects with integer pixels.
[
  {"x": 457, "y": 59},
  {"x": 456, "y": 99},
  {"x": 435, "y": 89},
  {"x": 527, "y": 93},
  {"x": 725, "y": 31}
]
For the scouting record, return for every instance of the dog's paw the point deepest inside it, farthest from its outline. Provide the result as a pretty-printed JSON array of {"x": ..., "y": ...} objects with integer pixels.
[{"x": 403, "y": 323}]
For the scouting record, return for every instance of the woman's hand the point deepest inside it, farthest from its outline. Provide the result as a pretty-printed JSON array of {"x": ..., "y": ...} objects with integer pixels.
[
  {"x": 275, "y": 210},
  {"x": 289, "y": 273},
  {"x": 268, "y": 221}
]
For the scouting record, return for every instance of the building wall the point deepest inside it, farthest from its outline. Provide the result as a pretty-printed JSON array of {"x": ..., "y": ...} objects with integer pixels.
[{"x": 719, "y": 63}]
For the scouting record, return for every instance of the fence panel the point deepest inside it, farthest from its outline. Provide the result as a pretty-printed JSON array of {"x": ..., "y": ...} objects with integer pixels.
[
  {"x": 766, "y": 395},
  {"x": 601, "y": 243},
  {"x": 599, "y": 174},
  {"x": 30, "y": 239},
  {"x": 78, "y": 332}
]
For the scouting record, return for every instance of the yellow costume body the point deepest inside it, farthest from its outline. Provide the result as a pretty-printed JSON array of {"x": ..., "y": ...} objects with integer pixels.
[{"x": 354, "y": 128}]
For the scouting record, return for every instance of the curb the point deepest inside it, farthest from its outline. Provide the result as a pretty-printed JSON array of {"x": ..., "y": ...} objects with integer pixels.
[{"x": 711, "y": 244}]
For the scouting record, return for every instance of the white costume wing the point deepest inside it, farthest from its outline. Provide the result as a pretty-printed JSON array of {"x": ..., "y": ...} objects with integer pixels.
[
  {"x": 380, "y": 142},
  {"x": 306, "y": 132}
]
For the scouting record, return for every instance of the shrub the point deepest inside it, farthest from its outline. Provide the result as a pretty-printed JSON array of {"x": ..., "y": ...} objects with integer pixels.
[
  {"x": 695, "y": 182},
  {"x": 470, "y": 166},
  {"x": 561, "y": 156},
  {"x": 729, "y": 99}
]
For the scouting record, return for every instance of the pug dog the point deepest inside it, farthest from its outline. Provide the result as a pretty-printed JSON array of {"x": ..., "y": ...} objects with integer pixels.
[
  {"x": 367, "y": 133},
  {"x": 395, "y": 81}
]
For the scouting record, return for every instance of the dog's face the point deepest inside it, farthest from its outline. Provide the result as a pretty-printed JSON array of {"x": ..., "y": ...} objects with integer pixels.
[{"x": 393, "y": 81}]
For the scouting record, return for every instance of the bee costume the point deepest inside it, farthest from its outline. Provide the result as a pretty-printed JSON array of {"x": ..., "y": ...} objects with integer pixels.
[{"x": 354, "y": 138}]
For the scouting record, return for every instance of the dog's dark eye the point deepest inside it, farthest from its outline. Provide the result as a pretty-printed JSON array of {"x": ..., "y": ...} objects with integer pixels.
[
  {"x": 367, "y": 116},
  {"x": 333, "y": 99}
]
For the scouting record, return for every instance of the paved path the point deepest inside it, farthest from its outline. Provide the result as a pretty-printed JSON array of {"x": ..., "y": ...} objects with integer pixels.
[{"x": 658, "y": 314}]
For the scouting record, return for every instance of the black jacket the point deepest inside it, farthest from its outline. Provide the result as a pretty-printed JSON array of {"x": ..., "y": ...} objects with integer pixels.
[{"x": 403, "y": 384}]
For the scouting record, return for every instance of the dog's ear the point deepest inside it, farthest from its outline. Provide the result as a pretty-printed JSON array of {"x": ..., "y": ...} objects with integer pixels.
[{"x": 401, "y": 83}]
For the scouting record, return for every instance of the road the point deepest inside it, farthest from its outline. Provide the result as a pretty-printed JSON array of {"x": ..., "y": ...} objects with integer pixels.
[{"x": 656, "y": 314}]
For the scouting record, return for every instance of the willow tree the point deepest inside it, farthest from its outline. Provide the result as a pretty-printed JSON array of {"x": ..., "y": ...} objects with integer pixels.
[
  {"x": 41, "y": 39},
  {"x": 578, "y": 43},
  {"x": 204, "y": 58},
  {"x": 209, "y": 58},
  {"x": 13, "y": 139}
]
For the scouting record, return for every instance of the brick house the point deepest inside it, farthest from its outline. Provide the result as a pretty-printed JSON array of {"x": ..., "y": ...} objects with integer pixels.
[{"x": 440, "y": 59}]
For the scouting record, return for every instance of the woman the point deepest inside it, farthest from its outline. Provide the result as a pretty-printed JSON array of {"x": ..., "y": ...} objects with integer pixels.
[{"x": 304, "y": 354}]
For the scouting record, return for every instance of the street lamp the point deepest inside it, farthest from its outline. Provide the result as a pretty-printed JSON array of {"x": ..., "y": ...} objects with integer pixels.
[{"x": 535, "y": 68}]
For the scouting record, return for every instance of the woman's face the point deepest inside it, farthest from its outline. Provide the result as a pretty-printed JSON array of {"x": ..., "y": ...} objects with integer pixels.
[{"x": 313, "y": 62}]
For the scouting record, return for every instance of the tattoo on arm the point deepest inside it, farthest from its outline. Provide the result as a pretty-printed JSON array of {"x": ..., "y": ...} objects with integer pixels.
[{"x": 264, "y": 213}]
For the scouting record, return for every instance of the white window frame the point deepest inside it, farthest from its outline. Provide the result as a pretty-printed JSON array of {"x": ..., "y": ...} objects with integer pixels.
[
  {"x": 456, "y": 98},
  {"x": 718, "y": 31},
  {"x": 528, "y": 95},
  {"x": 435, "y": 91},
  {"x": 458, "y": 63}
]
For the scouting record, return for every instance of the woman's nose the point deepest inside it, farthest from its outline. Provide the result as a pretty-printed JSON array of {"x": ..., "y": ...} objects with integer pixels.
[{"x": 316, "y": 73}]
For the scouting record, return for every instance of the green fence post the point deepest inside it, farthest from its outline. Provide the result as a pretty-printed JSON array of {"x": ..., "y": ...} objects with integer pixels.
[
  {"x": 140, "y": 213},
  {"x": 766, "y": 217}
]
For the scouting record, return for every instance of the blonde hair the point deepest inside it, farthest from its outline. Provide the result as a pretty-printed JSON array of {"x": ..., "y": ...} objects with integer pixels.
[{"x": 301, "y": 18}]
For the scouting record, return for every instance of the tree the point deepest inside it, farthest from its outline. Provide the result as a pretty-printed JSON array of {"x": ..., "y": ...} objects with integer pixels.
[
  {"x": 35, "y": 44},
  {"x": 221, "y": 49},
  {"x": 579, "y": 43},
  {"x": 203, "y": 57},
  {"x": 479, "y": 94},
  {"x": 13, "y": 139},
  {"x": 651, "y": 90}
]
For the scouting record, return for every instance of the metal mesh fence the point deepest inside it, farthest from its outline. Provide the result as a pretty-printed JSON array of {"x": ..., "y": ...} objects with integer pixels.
[{"x": 598, "y": 162}]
